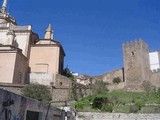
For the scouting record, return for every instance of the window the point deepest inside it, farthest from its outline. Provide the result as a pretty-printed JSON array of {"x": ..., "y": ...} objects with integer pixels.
[
  {"x": 132, "y": 53},
  {"x": 60, "y": 83}
]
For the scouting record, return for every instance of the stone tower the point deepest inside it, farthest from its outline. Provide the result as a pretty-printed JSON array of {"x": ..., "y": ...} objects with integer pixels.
[{"x": 136, "y": 64}]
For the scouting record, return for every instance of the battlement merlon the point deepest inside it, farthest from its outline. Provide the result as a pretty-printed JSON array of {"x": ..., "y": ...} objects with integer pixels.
[{"x": 135, "y": 42}]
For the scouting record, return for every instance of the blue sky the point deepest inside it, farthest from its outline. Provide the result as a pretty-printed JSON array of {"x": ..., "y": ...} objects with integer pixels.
[{"x": 92, "y": 31}]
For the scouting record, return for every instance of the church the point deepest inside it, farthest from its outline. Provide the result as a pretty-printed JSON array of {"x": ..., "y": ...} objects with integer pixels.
[{"x": 26, "y": 58}]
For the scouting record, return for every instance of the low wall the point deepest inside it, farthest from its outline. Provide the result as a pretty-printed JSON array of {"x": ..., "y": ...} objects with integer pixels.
[
  {"x": 42, "y": 78},
  {"x": 16, "y": 107},
  {"x": 61, "y": 94},
  {"x": 116, "y": 116}
]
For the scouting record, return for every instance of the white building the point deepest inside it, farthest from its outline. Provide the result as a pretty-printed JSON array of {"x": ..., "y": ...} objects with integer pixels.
[{"x": 154, "y": 58}]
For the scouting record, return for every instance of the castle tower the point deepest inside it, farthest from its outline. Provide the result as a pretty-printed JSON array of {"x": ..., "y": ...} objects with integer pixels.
[
  {"x": 136, "y": 63},
  {"x": 4, "y": 6}
]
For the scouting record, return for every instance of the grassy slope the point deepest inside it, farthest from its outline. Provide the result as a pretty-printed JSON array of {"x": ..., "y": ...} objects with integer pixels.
[{"x": 122, "y": 101}]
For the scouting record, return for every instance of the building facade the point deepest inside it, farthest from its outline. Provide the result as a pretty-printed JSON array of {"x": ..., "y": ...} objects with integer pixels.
[{"x": 25, "y": 58}]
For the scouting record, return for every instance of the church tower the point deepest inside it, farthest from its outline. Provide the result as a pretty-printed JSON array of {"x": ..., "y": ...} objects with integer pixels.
[
  {"x": 49, "y": 33},
  {"x": 4, "y": 16},
  {"x": 136, "y": 63},
  {"x": 4, "y": 6}
]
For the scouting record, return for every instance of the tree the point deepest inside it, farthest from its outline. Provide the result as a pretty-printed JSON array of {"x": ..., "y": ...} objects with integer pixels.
[
  {"x": 68, "y": 74},
  {"x": 116, "y": 80},
  {"x": 38, "y": 92}
]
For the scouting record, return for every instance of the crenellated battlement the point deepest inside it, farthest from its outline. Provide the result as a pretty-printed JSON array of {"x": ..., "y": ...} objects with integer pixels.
[{"x": 135, "y": 42}]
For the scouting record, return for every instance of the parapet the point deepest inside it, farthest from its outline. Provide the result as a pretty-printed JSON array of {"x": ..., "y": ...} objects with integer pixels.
[{"x": 135, "y": 42}]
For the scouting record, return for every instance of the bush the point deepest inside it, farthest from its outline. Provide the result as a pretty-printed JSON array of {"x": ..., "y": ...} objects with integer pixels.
[
  {"x": 80, "y": 106},
  {"x": 38, "y": 92},
  {"x": 133, "y": 109},
  {"x": 107, "y": 108},
  {"x": 139, "y": 104},
  {"x": 100, "y": 86},
  {"x": 98, "y": 102},
  {"x": 116, "y": 80}
]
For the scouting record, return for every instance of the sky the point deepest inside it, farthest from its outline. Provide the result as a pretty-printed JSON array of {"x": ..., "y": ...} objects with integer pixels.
[{"x": 92, "y": 31}]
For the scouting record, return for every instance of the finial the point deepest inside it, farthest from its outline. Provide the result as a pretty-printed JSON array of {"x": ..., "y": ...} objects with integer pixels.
[
  {"x": 4, "y": 6},
  {"x": 49, "y": 29},
  {"x": 49, "y": 32}
]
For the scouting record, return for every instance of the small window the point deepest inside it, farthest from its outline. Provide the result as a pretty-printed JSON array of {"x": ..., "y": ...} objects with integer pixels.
[
  {"x": 60, "y": 83},
  {"x": 132, "y": 53}
]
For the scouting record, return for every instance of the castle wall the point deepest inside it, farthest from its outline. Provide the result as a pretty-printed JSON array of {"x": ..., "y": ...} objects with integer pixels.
[
  {"x": 108, "y": 77},
  {"x": 136, "y": 63},
  {"x": 155, "y": 79}
]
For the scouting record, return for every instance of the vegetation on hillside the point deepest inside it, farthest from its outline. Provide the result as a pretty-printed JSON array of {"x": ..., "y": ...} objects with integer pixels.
[
  {"x": 121, "y": 101},
  {"x": 116, "y": 80},
  {"x": 38, "y": 92}
]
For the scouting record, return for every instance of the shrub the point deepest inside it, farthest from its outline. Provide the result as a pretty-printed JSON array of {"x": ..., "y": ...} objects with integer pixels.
[
  {"x": 100, "y": 86},
  {"x": 38, "y": 92},
  {"x": 98, "y": 102},
  {"x": 80, "y": 106},
  {"x": 139, "y": 104},
  {"x": 133, "y": 109},
  {"x": 107, "y": 108},
  {"x": 116, "y": 80}
]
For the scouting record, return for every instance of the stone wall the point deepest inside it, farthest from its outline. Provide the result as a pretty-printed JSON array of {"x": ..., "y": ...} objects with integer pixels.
[
  {"x": 116, "y": 116},
  {"x": 63, "y": 82},
  {"x": 108, "y": 77},
  {"x": 16, "y": 107},
  {"x": 61, "y": 94},
  {"x": 42, "y": 78},
  {"x": 155, "y": 79}
]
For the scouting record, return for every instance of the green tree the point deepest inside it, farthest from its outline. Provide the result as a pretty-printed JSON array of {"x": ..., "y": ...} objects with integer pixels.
[
  {"x": 116, "y": 80},
  {"x": 38, "y": 92},
  {"x": 68, "y": 74}
]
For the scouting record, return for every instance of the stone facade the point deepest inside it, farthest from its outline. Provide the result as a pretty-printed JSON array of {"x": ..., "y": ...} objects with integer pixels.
[
  {"x": 108, "y": 77},
  {"x": 136, "y": 63}
]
